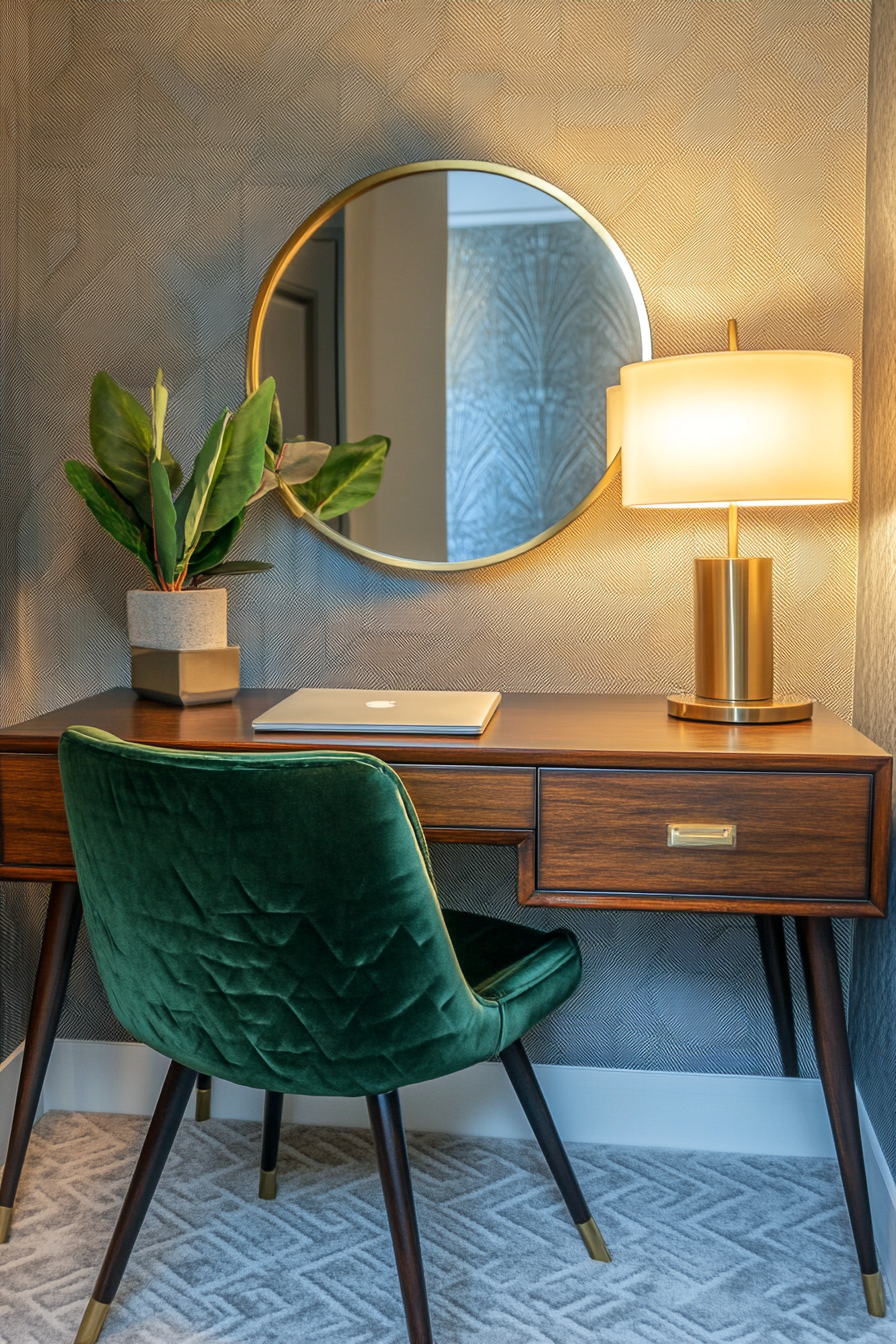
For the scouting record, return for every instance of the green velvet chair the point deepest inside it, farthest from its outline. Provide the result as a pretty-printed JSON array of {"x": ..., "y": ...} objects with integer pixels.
[{"x": 271, "y": 919}]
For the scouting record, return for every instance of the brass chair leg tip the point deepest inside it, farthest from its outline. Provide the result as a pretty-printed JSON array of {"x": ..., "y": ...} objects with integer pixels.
[
  {"x": 594, "y": 1242},
  {"x": 874, "y": 1294},
  {"x": 267, "y": 1184},
  {"x": 5, "y": 1220},
  {"x": 92, "y": 1322},
  {"x": 203, "y": 1103}
]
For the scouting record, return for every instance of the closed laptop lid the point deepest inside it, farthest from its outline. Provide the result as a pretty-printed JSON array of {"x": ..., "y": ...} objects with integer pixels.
[{"x": 326, "y": 710}]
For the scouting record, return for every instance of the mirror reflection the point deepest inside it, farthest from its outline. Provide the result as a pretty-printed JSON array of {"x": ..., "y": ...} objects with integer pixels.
[{"x": 477, "y": 321}]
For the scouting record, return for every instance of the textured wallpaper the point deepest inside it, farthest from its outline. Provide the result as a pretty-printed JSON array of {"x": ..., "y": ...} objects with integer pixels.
[
  {"x": 159, "y": 154},
  {"x": 873, "y": 1022}
]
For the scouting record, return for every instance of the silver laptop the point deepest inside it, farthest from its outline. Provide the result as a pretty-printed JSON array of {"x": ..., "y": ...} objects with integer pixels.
[{"x": 339, "y": 711}]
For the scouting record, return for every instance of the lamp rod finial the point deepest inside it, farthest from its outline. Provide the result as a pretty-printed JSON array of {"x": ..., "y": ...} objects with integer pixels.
[
  {"x": 732, "y": 531},
  {"x": 732, "y": 333}
]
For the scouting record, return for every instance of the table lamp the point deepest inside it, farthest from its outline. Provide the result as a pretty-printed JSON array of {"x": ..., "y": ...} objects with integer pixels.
[{"x": 721, "y": 430}]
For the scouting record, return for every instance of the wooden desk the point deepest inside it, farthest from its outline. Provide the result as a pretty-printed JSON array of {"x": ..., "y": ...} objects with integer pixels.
[{"x": 585, "y": 788}]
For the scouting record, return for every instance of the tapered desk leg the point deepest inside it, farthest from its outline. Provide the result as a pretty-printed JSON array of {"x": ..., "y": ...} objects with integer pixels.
[
  {"x": 50, "y": 983},
  {"x": 777, "y": 974},
  {"x": 819, "y": 956}
]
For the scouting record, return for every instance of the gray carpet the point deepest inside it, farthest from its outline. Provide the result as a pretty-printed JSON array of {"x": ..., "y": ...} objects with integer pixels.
[{"x": 706, "y": 1246}]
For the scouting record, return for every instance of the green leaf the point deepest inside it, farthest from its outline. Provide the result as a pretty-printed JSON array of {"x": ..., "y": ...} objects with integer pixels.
[
  {"x": 175, "y": 475},
  {"x": 240, "y": 464},
  {"x": 111, "y": 511},
  {"x": 159, "y": 399},
  {"x": 164, "y": 522},
  {"x": 213, "y": 546},
  {"x": 196, "y": 491},
  {"x": 274, "y": 440},
  {"x": 350, "y": 476},
  {"x": 239, "y": 567},
  {"x": 121, "y": 438},
  {"x": 301, "y": 460}
]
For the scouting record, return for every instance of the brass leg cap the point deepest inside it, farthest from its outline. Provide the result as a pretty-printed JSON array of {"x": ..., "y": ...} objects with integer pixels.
[
  {"x": 92, "y": 1322},
  {"x": 203, "y": 1103},
  {"x": 5, "y": 1220},
  {"x": 267, "y": 1184},
  {"x": 874, "y": 1294},
  {"x": 597, "y": 1247}
]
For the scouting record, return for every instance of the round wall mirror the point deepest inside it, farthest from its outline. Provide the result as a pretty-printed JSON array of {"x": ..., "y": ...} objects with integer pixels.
[{"x": 473, "y": 314}]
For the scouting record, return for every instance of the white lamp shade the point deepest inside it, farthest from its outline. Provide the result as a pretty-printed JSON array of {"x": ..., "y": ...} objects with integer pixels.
[
  {"x": 614, "y": 422},
  {"x": 737, "y": 427}
]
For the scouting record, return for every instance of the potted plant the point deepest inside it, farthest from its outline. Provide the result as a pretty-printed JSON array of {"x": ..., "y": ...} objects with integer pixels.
[
  {"x": 181, "y": 533},
  {"x": 181, "y": 541}
]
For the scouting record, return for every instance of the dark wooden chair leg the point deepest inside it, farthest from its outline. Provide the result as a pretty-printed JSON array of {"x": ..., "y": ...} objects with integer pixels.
[
  {"x": 770, "y": 929},
  {"x": 270, "y": 1145},
  {"x": 526, "y": 1087},
  {"x": 160, "y": 1136},
  {"x": 203, "y": 1096},
  {"x": 50, "y": 983},
  {"x": 395, "y": 1174},
  {"x": 819, "y": 955}
]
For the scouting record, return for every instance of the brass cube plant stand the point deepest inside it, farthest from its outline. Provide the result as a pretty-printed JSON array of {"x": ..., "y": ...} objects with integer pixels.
[{"x": 186, "y": 676}]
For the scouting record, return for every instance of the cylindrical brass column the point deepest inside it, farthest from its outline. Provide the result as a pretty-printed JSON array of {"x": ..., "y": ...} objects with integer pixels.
[
  {"x": 733, "y": 647},
  {"x": 733, "y": 629}
]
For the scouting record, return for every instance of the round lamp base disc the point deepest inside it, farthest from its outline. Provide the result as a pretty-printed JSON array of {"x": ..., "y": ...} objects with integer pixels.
[{"x": 701, "y": 710}]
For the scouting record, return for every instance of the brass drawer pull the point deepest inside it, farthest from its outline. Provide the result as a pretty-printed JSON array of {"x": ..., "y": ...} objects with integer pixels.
[{"x": 701, "y": 837}]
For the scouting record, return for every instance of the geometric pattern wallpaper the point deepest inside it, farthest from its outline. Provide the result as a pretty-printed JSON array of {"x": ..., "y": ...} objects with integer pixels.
[
  {"x": 156, "y": 156},
  {"x": 708, "y": 1248},
  {"x": 873, "y": 1029},
  {"x": 86, "y": 1013}
]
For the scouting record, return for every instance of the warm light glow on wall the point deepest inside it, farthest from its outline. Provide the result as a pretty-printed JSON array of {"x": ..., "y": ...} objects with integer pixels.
[
  {"x": 614, "y": 422},
  {"x": 745, "y": 427}
]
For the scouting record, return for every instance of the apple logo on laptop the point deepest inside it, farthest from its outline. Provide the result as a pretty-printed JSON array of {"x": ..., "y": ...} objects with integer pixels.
[{"x": 380, "y": 704}]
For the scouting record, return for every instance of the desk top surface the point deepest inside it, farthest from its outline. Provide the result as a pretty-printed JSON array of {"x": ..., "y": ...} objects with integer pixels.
[{"x": 531, "y": 729}]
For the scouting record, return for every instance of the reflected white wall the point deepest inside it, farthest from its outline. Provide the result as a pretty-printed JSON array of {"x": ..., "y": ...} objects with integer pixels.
[{"x": 396, "y": 263}]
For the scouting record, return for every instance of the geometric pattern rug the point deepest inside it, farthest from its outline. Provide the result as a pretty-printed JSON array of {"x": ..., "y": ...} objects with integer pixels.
[{"x": 708, "y": 1248}]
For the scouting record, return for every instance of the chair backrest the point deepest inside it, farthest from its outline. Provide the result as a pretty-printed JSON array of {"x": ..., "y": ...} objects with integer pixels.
[{"x": 267, "y": 918}]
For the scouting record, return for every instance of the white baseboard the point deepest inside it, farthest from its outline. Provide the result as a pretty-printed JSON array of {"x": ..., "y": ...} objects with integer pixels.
[
  {"x": 9, "y": 1081},
  {"x": 717, "y": 1112},
  {"x": 882, "y": 1194}
]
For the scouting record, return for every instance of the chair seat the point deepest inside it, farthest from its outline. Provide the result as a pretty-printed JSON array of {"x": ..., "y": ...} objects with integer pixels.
[{"x": 526, "y": 972}]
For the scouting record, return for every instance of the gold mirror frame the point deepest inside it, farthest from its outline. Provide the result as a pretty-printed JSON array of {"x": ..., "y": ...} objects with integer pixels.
[{"x": 300, "y": 237}]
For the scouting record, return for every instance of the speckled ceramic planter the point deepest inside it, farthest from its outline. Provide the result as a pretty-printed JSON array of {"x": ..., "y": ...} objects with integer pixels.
[{"x": 195, "y": 619}]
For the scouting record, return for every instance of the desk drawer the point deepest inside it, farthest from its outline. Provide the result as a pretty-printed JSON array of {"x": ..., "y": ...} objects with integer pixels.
[
  {"x": 34, "y": 831},
  {"x": 478, "y": 797},
  {"x": 802, "y": 835}
]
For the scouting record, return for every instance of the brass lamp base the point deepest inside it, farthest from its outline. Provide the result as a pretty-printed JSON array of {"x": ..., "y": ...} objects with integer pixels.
[
  {"x": 703, "y": 710},
  {"x": 733, "y": 646}
]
